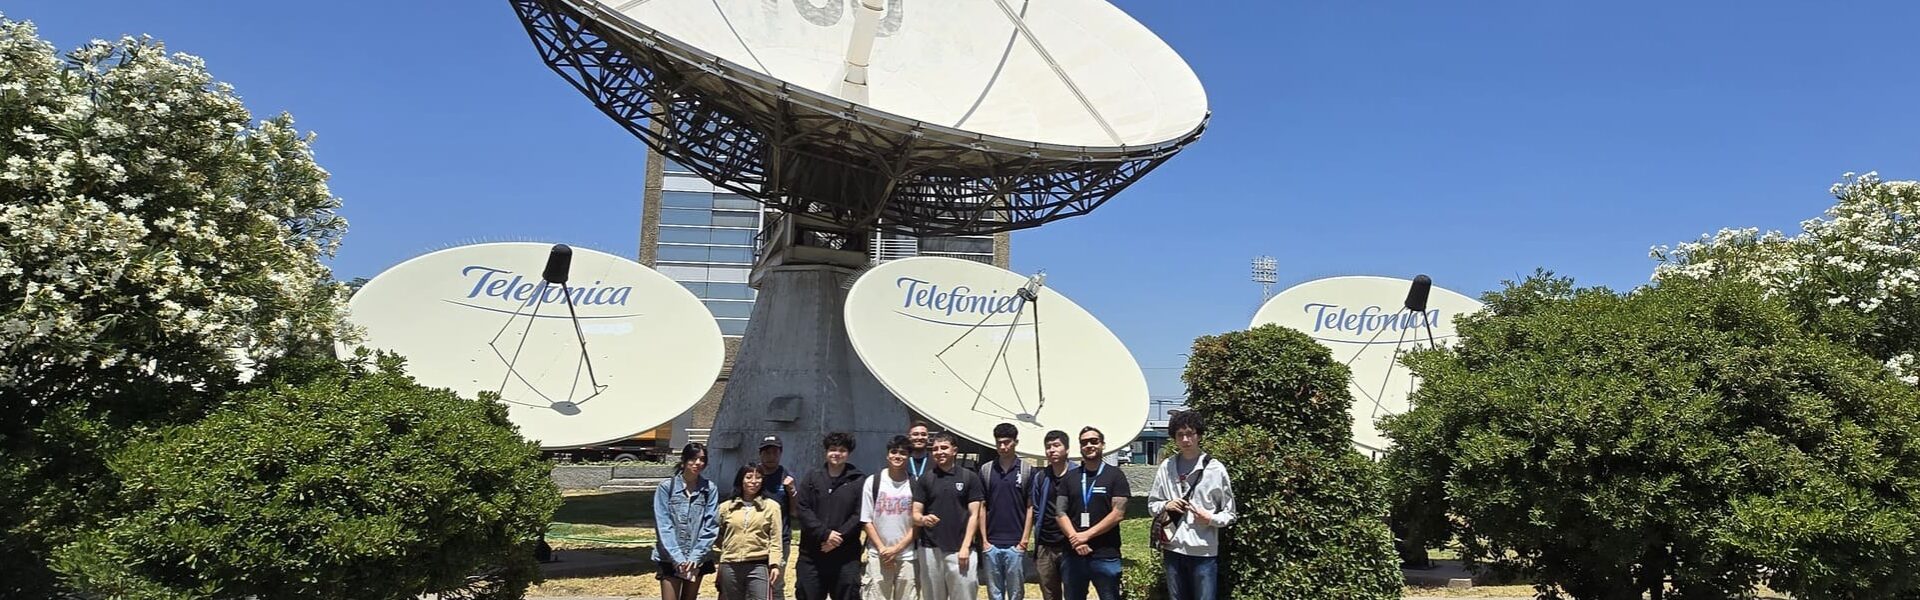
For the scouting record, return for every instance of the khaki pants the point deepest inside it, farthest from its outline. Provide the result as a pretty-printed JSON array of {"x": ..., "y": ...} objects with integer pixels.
[
  {"x": 898, "y": 581},
  {"x": 1047, "y": 560}
]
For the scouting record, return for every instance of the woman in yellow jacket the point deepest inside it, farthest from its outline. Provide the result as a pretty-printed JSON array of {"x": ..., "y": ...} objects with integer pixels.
[{"x": 749, "y": 540}]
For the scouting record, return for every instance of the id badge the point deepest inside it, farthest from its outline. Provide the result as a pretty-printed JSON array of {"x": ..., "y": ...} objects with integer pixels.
[{"x": 1084, "y": 521}]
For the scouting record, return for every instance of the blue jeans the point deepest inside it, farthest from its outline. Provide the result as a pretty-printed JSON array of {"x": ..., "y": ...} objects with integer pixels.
[
  {"x": 1006, "y": 573},
  {"x": 1103, "y": 573},
  {"x": 1192, "y": 577}
]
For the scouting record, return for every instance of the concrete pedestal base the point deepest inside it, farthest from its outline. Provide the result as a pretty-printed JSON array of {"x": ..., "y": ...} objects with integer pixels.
[{"x": 797, "y": 375}]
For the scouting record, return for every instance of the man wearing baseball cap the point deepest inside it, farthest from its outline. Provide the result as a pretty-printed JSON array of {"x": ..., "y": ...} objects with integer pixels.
[{"x": 779, "y": 488}]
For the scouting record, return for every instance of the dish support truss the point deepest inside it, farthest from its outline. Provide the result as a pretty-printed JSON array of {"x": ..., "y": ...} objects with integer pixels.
[{"x": 845, "y": 166}]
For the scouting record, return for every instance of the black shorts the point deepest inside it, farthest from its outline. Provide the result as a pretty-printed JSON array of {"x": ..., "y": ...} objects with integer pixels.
[{"x": 663, "y": 570}]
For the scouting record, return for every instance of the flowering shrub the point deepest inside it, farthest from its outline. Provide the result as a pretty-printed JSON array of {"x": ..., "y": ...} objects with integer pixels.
[
  {"x": 150, "y": 233},
  {"x": 152, "y": 236},
  {"x": 1852, "y": 274},
  {"x": 146, "y": 219}
]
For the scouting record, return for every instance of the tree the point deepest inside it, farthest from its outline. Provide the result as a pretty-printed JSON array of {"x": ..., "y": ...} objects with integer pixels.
[
  {"x": 334, "y": 482},
  {"x": 1688, "y": 440},
  {"x": 1852, "y": 274},
  {"x": 1312, "y": 518},
  {"x": 152, "y": 236}
]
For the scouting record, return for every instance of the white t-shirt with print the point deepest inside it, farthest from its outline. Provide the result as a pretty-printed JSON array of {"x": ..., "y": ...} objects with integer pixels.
[{"x": 891, "y": 514}]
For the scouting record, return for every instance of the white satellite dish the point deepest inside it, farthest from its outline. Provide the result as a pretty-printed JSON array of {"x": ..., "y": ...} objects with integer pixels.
[
  {"x": 957, "y": 341},
  {"x": 477, "y": 318},
  {"x": 1056, "y": 72},
  {"x": 1363, "y": 320}
]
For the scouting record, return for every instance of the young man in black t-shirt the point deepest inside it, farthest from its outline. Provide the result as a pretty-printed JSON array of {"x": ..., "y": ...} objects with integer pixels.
[
  {"x": 1049, "y": 543},
  {"x": 1090, "y": 507},
  {"x": 947, "y": 507}
]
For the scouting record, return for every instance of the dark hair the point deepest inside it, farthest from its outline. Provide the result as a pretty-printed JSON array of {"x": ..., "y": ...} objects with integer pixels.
[
  {"x": 1005, "y": 430},
  {"x": 1103, "y": 434},
  {"x": 740, "y": 482},
  {"x": 940, "y": 436},
  {"x": 1187, "y": 419},
  {"x": 901, "y": 443},
  {"x": 687, "y": 453},
  {"x": 919, "y": 423},
  {"x": 837, "y": 439},
  {"x": 1056, "y": 435}
]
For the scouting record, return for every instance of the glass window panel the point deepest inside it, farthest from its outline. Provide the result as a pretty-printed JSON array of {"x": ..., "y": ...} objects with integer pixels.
[
  {"x": 686, "y": 199},
  {"x": 731, "y": 255},
  {"x": 681, "y": 216},
  {"x": 729, "y": 291},
  {"x": 735, "y": 219},
  {"x": 733, "y": 326},
  {"x": 735, "y": 202},
  {"x": 675, "y": 167},
  {"x": 684, "y": 253},
  {"x": 698, "y": 289},
  {"x": 685, "y": 235},
  {"x": 977, "y": 245},
  {"x": 727, "y": 274},
  {"x": 735, "y": 237},
  {"x": 682, "y": 273},
  {"x": 730, "y": 308}
]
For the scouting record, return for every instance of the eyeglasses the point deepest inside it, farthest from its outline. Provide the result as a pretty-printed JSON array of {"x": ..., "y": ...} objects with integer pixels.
[{"x": 1092, "y": 442}]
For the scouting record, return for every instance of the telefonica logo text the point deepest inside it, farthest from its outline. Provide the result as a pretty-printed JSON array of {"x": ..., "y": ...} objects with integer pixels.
[
  {"x": 519, "y": 289},
  {"x": 955, "y": 300},
  {"x": 1333, "y": 317}
]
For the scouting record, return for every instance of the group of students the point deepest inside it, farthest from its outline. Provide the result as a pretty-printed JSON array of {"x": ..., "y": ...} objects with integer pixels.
[{"x": 920, "y": 529}]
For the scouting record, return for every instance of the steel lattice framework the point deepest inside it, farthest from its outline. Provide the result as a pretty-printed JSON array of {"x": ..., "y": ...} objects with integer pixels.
[{"x": 802, "y": 152}]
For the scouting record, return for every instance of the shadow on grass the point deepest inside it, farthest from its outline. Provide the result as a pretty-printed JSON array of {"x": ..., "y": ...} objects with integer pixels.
[{"x": 616, "y": 509}]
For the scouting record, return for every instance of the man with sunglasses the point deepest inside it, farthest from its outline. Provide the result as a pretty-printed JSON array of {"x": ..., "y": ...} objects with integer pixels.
[{"x": 1090, "y": 504}]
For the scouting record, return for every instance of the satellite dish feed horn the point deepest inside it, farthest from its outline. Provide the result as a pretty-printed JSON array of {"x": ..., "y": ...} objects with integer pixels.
[
  {"x": 866, "y": 26},
  {"x": 559, "y": 263},
  {"x": 1030, "y": 296}
]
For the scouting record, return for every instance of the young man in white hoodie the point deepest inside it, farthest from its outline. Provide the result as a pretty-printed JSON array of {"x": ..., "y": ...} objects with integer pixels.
[{"x": 1192, "y": 499}]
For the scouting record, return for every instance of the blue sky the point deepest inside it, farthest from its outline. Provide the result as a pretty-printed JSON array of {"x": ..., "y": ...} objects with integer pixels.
[{"x": 1472, "y": 141}]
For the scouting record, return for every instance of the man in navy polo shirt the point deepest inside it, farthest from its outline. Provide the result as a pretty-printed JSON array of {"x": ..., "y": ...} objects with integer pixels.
[
  {"x": 1008, "y": 522},
  {"x": 1091, "y": 504}
]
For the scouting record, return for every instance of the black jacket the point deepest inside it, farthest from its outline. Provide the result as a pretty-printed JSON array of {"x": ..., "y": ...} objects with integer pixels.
[{"x": 825, "y": 504}]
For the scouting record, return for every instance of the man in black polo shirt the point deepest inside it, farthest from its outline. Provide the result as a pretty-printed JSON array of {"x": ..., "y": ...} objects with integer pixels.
[
  {"x": 1091, "y": 504},
  {"x": 947, "y": 505}
]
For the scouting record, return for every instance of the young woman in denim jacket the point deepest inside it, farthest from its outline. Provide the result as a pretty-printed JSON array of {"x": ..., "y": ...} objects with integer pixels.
[{"x": 686, "y": 525}]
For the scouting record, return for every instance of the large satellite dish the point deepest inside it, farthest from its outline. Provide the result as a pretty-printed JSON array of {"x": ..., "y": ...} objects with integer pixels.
[
  {"x": 1366, "y": 324},
  {"x": 923, "y": 117},
  {"x": 635, "y": 351},
  {"x": 851, "y": 117},
  {"x": 971, "y": 346}
]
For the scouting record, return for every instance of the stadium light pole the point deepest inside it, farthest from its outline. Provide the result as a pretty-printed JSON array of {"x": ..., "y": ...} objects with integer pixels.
[{"x": 1264, "y": 268}]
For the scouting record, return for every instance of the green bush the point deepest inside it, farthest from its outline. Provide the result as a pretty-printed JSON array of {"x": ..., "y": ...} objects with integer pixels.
[
  {"x": 1144, "y": 578},
  {"x": 1312, "y": 515},
  {"x": 355, "y": 482},
  {"x": 1689, "y": 439}
]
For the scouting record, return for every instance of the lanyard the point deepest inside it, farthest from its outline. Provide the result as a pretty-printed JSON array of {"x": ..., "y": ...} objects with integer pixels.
[
  {"x": 1086, "y": 491},
  {"x": 918, "y": 468}
]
